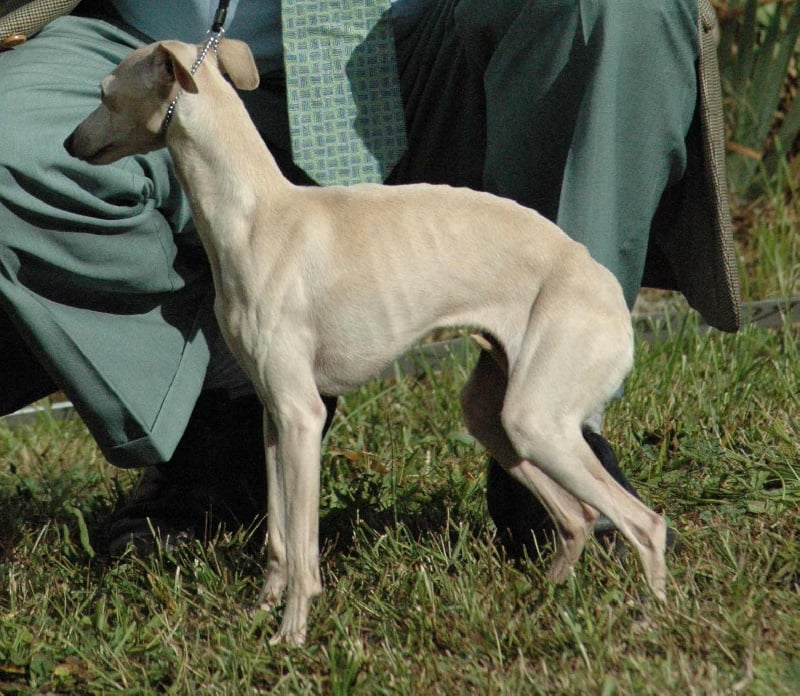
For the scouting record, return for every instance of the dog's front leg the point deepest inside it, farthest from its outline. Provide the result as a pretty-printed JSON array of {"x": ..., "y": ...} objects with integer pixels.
[
  {"x": 277, "y": 571},
  {"x": 299, "y": 433}
]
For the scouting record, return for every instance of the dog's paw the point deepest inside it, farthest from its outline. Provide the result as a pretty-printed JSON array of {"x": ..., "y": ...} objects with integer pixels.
[
  {"x": 263, "y": 606},
  {"x": 560, "y": 570},
  {"x": 295, "y": 621},
  {"x": 294, "y": 639},
  {"x": 659, "y": 587},
  {"x": 271, "y": 591},
  {"x": 267, "y": 604},
  {"x": 568, "y": 551}
]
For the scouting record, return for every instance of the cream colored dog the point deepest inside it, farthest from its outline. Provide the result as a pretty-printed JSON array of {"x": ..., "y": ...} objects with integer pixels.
[{"x": 318, "y": 289}]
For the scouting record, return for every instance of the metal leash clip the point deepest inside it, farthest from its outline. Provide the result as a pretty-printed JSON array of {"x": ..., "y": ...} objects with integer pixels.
[{"x": 213, "y": 37}]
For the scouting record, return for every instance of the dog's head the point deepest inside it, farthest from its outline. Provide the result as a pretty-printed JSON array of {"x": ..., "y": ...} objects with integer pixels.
[{"x": 136, "y": 95}]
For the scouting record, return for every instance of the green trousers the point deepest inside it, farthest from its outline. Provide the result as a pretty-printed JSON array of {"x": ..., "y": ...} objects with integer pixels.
[{"x": 576, "y": 108}]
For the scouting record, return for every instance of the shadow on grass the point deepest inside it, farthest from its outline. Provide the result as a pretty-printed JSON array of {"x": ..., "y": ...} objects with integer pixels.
[
  {"x": 35, "y": 510},
  {"x": 338, "y": 525}
]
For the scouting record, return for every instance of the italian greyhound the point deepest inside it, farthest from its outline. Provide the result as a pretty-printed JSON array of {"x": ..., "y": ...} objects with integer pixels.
[{"x": 318, "y": 289}]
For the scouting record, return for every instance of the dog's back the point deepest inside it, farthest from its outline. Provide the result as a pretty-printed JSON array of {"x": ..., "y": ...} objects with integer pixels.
[{"x": 395, "y": 261}]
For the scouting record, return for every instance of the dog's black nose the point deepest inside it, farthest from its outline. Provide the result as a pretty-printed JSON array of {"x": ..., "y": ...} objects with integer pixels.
[{"x": 68, "y": 144}]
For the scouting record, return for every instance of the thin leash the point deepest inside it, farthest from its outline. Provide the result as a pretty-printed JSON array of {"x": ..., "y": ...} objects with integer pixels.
[{"x": 213, "y": 37}]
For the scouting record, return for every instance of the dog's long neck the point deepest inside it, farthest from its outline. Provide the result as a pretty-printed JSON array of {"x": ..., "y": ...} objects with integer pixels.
[{"x": 224, "y": 167}]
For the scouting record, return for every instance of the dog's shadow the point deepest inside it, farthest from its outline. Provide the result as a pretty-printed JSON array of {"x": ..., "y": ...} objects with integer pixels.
[
  {"x": 363, "y": 500},
  {"x": 339, "y": 526}
]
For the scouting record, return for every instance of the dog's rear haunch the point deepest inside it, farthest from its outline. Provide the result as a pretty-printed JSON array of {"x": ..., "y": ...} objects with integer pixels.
[{"x": 317, "y": 289}]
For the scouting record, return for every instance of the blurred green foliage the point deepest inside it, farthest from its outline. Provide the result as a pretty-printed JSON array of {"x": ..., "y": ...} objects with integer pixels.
[{"x": 757, "y": 53}]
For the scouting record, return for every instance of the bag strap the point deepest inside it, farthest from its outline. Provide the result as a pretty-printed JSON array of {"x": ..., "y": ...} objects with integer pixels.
[{"x": 21, "y": 19}]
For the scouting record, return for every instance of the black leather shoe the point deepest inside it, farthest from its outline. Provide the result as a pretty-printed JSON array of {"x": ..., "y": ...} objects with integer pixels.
[
  {"x": 523, "y": 525},
  {"x": 215, "y": 479}
]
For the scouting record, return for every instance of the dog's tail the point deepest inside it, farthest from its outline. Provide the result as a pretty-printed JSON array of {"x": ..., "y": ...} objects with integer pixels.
[{"x": 489, "y": 344}]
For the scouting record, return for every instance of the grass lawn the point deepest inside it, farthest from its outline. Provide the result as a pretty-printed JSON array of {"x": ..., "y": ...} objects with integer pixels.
[{"x": 417, "y": 599}]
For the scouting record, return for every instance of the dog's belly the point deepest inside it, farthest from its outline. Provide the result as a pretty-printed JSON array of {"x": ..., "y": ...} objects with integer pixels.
[
  {"x": 351, "y": 352},
  {"x": 342, "y": 353},
  {"x": 335, "y": 376},
  {"x": 345, "y": 358}
]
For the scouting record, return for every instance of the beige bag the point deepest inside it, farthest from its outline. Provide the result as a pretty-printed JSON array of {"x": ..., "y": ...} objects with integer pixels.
[{"x": 21, "y": 19}]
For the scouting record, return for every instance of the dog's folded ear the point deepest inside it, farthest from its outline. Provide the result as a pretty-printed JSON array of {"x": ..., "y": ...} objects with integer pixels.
[
  {"x": 237, "y": 61},
  {"x": 174, "y": 61}
]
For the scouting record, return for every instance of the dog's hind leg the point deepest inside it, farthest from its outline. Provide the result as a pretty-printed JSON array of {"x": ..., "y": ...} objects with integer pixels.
[
  {"x": 573, "y": 519},
  {"x": 546, "y": 402},
  {"x": 482, "y": 401},
  {"x": 572, "y": 464}
]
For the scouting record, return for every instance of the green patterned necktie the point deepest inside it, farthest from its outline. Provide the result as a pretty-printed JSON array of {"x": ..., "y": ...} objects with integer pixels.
[{"x": 343, "y": 90}]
